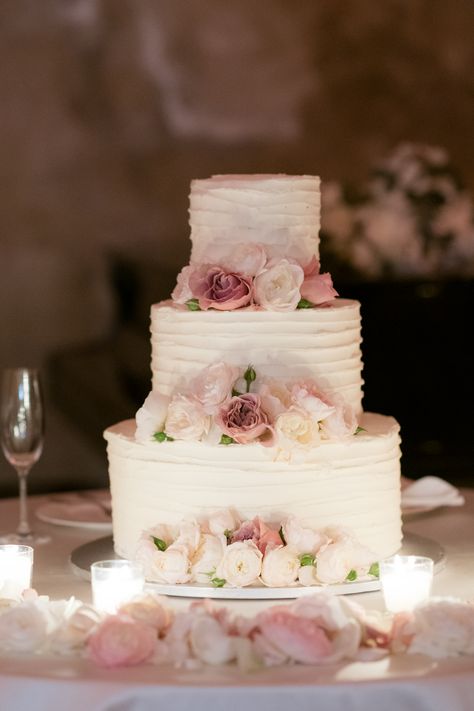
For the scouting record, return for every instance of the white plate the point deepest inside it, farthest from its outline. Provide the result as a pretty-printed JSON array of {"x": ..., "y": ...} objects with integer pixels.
[
  {"x": 58, "y": 514},
  {"x": 102, "y": 549}
]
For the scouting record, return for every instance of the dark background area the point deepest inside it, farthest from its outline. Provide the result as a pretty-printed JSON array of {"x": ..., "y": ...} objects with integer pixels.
[{"x": 108, "y": 108}]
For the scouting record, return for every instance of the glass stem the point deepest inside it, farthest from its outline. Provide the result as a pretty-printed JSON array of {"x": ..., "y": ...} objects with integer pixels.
[{"x": 23, "y": 526}]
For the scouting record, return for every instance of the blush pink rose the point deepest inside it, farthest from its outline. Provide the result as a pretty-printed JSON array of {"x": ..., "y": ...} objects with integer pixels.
[
  {"x": 301, "y": 639},
  {"x": 217, "y": 289},
  {"x": 121, "y": 642},
  {"x": 317, "y": 288},
  {"x": 244, "y": 420},
  {"x": 258, "y": 532}
]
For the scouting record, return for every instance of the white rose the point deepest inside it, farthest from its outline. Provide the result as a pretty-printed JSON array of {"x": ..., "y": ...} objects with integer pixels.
[
  {"x": 182, "y": 291},
  {"x": 306, "y": 400},
  {"x": 71, "y": 635},
  {"x": 307, "y": 575},
  {"x": 280, "y": 567},
  {"x": 170, "y": 566},
  {"x": 337, "y": 559},
  {"x": 277, "y": 286},
  {"x": 221, "y": 521},
  {"x": 246, "y": 258},
  {"x": 207, "y": 557},
  {"x": 303, "y": 540},
  {"x": 213, "y": 386},
  {"x": 23, "y": 628},
  {"x": 241, "y": 564},
  {"x": 209, "y": 642},
  {"x": 296, "y": 428},
  {"x": 189, "y": 536},
  {"x": 443, "y": 627},
  {"x": 186, "y": 419},
  {"x": 340, "y": 423},
  {"x": 150, "y": 418}
]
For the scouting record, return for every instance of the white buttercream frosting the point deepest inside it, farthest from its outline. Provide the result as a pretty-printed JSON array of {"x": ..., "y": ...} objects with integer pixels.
[
  {"x": 282, "y": 212},
  {"x": 354, "y": 482},
  {"x": 321, "y": 343}
]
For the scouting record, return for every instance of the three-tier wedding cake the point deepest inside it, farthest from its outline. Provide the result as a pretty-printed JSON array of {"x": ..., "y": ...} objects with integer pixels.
[{"x": 256, "y": 402}]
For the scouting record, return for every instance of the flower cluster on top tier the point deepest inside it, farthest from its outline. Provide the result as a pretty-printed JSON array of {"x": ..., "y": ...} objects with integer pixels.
[
  {"x": 247, "y": 277},
  {"x": 226, "y": 551},
  {"x": 318, "y": 629},
  {"x": 219, "y": 407}
]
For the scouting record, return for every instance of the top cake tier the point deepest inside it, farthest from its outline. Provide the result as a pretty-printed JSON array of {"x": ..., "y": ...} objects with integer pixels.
[{"x": 281, "y": 212}]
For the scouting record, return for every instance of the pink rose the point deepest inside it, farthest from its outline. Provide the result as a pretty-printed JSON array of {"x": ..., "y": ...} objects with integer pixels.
[
  {"x": 298, "y": 638},
  {"x": 244, "y": 420},
  {"x": 317, "y": 288},
  {"x": 258, "y": 532},
  {"x": 217, "y": 289},
  {"x": 121, "y": 642}
]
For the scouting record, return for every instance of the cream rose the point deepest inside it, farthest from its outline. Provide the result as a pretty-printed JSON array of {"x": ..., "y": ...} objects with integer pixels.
[
  {"x": 213, "y": 386},
  {"x": 306, "y": 400},
  {"x": 150, "y": 418},
  {"x": 296, "y": 428},
  {"x": 150, "y": 611},
  {"x": 246, "y": 258},
  {"x": 337, "y": 559},
  {"x": 23, "y": 628},
  {"x": 241, "y": 564},
  {"x": 443, "y": 627},
  {"x": 303, "y": 540},
  {"x": 275, "y": 397},
  {"x": 307, "y": 576},
  {"x": 209, "y": 641},
  {"x": 277, "y": 286},
  {"x": 280, "y": 567},
  {"x": 71, "y": 635},
  {"x": 207, "y": 557},
  {"x": 189, "y": 536},
  {"x": 170, "y": 566},
  {"x": 221, "y": 521},
  {"x": 186, "y": 419}
]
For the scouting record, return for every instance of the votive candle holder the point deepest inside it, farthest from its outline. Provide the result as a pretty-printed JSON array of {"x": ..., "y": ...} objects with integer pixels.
[
  {"x": 16, "y": 568},
  {"x": 115, "y": 582},
  {"x": 406, "y": 581}
]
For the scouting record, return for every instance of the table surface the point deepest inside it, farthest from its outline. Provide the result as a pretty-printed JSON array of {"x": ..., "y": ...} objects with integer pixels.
[{"x": 405, "y": 681}]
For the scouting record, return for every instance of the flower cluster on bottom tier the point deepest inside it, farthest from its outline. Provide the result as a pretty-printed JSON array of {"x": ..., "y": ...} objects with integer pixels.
[
  {"x": 225, "y": 551},
  {"x": 317, "y": 629}
]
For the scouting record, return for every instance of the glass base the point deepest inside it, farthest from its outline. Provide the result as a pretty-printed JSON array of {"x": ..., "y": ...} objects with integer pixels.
[{"x": 31, "y": 539}]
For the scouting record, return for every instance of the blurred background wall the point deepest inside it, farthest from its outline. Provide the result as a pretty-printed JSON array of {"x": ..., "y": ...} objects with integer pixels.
[{"x": 108, "y": 108}]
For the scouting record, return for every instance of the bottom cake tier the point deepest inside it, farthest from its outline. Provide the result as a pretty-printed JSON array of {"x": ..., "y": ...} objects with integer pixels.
[{"x": 353, "y": 483}]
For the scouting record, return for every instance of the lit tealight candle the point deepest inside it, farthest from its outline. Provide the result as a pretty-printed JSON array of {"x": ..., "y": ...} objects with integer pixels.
[
  {"x": 115, "y": 582},
  {"x": 16, "y": 566},
  {"x": 406, "y": 581}
]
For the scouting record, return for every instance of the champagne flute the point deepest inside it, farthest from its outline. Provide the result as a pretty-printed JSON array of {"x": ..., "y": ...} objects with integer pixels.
[{"x": 21, "y": 434}]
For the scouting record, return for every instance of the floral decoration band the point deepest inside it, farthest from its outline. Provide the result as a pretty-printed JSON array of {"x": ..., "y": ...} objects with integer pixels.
[
  {"x": 317, "y": 629},
  {"x": 226, "y": 551},
  {"x": 246, "y": 277},
  {"x": 223, "y": 405}
]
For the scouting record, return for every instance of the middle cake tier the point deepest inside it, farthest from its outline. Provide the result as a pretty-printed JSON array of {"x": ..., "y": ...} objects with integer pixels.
[{"x": 320, "y": 343}]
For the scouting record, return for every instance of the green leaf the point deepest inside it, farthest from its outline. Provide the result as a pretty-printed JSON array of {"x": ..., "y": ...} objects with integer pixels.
[
  {"x": 249, "y": 376},
  {"x": 306, "y": 559},
  {"x": 225, "y": 439},
  {"x": 162, "y": 437},
  {"x": 282, "y": 535},
  {"x": 304, "y": 304},
  {"x": 351, "y": 576},
  {"x": 159, "y": 543},
  {"x": 193, "y": 305},
  {"x": 218, "y": 582},
  {"x": 359, "y": 430},
  {"x": 374, "y": 570},
  {"x": 235, "y": 393}
]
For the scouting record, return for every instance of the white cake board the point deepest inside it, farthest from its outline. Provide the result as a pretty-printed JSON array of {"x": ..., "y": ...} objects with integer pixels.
[{"x": 102, "y": 549}]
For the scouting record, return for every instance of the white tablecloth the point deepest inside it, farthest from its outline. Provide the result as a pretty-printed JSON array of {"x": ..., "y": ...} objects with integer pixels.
[{"x": 411, "y": 683}]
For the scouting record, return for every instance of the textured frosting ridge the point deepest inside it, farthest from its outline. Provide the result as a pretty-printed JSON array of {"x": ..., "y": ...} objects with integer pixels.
[
  {"x": 354, "y": 482},
  {"x": 281, "y": 212},
  {"x": 323, "y": 344}
]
